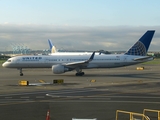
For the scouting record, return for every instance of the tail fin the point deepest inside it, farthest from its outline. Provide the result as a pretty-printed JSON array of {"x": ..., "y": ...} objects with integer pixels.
[
  {"x": 52, "y": 47},
  {"x": 50, "y": 44},
  {"x": 141, "y": 46}
]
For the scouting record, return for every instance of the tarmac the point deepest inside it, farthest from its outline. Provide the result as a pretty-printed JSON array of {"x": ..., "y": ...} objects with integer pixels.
[{"x": 97, "y": 94}]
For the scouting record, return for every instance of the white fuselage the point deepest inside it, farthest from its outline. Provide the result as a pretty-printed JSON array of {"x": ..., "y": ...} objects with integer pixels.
[{"x": 47, "y": 61}]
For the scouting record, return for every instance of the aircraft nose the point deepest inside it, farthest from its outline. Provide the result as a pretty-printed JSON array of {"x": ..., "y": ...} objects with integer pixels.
[{"x": 4, "y": 64}]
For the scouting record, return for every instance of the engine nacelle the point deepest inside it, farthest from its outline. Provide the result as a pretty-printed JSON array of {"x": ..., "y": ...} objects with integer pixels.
[{"x": 59, "y": 69}]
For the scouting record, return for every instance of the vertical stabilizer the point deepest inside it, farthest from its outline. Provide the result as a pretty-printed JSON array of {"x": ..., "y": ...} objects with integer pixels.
[
  {"x": 141, "y": 46},
  {"x": 52, "y": 47}
]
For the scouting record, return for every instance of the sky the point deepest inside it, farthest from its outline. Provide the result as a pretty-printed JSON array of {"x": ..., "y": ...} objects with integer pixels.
[{"x": 78, "y": 24}]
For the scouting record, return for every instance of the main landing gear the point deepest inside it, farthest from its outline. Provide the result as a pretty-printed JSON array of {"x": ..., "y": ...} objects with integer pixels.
[
  {"x": 20, "y": 69},
  {"x": 79, "y": 72}
]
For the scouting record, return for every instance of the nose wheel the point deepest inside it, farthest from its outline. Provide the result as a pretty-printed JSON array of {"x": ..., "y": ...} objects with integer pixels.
[{"x": 21, "y": 74}]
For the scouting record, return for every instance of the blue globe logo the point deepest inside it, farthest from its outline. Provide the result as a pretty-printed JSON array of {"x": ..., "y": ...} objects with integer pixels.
[{"x": 137, "y": 49}]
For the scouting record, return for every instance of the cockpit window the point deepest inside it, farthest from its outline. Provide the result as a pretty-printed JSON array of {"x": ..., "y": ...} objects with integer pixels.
[{"x": 8, "y": 60}]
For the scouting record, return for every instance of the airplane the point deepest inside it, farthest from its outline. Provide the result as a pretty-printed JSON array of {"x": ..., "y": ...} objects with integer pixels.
[
  {"x": 65, "y": 63},
  {"x": 55, "y": 52}
]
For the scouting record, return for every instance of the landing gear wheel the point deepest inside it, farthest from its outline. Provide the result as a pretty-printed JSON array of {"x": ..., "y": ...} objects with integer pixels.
[
  {"x": 80, "y": 74},
  {"x": 21, "y": 74}
]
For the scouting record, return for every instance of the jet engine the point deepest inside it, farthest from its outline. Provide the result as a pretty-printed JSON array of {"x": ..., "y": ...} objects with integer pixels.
[{"x": 59, "y": 69}]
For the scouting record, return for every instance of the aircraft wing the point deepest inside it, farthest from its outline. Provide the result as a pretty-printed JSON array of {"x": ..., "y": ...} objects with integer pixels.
[
  {"x": 142, "y": 58},
  {"x": 80, "y": 63}
]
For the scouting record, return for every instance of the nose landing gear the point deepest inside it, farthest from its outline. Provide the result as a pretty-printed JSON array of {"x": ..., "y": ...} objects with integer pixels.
[
  {"x": 20, "y": 69},
  {"x": 21, "y": 74}
]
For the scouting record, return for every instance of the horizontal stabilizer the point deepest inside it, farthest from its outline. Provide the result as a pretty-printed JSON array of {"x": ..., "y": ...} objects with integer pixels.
[{"x": 143, "y": 58}]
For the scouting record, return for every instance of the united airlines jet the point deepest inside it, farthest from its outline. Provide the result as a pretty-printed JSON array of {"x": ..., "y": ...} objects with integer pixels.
[{"x": 64, "y": 63}]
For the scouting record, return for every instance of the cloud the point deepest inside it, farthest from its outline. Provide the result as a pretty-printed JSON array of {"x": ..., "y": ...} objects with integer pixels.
[{"x": 75, "y": 37}]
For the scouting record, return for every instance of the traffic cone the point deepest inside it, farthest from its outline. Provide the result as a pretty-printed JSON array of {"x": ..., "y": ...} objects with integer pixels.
[{"x": 48, "y": 115}]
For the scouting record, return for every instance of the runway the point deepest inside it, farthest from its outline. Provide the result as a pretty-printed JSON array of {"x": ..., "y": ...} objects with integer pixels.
[{"x": 121, "y": 88}]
